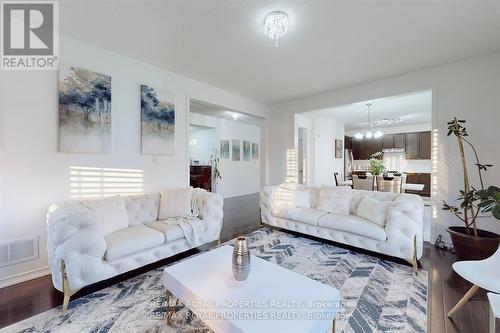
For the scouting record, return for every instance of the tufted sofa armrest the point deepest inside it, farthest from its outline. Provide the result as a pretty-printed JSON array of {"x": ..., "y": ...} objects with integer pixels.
[
  {"x": 267, "y": 194},
  {"x": 74, "y": 235},
  {"x": 405, "y": 220},
  {"x": 210, "y": 206}
]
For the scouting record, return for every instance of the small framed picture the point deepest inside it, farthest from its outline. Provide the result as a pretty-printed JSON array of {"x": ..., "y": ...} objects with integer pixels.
[{"x": 339, "y": 148}]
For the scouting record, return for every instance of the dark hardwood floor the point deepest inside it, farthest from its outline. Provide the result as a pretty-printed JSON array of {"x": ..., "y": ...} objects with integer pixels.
[{"x": 241, "y": 215}]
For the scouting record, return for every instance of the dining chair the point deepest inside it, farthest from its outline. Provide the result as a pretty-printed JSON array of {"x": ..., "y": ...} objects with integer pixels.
[
  {"x": 494, "y": 300},
  {"x": 481, "y": 273},
  {"x": 336, "y": 175},
  {"x": 362, "y": 183},
  {"x": 389, "y": 185}
]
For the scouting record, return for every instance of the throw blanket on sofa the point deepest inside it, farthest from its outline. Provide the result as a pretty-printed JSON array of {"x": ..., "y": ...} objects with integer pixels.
[
  {"x": 192, "y": 226},
  {"x": 193, "y": 230}
]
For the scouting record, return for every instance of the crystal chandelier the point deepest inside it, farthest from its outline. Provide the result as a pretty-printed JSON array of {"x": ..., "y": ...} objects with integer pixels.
[
  {"x": 276, "y": 26},
  {"x": 385, "y": 121},
  {"x": 369, "y": 134}
]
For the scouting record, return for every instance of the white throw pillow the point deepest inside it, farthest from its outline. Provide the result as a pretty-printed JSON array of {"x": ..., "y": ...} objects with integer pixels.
[
  {"x": 335, "y": 199},
  {"x": 301, "y": 199},
  {"x": 284, "y": 195},
  {"x": 175, "y": 202},
  {"x": 374, "y": 210},
  {"x": 111, "y": 213}
]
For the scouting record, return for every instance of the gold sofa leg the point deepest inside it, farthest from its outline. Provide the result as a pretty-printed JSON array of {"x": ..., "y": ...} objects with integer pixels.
[
  {"x": 414, "y": 261},
  {"x": 169, "y": 309},
  {"x": 66, "y": 288}
]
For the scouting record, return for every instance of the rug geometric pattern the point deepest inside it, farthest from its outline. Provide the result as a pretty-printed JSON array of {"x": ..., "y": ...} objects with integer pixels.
[{"x": 378, "y": 295}]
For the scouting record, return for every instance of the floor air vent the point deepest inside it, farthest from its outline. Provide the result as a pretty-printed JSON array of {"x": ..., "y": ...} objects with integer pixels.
[{"x": 18, "y": 251}]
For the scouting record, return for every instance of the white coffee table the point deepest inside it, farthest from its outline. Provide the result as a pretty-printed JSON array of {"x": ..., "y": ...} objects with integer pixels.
[{"x": 272, "y": 299}]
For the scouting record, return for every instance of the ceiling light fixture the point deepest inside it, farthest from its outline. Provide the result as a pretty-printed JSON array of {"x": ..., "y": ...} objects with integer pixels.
[
  {"x": 276, "y": 26},
  {"x": 385, "y": 121},
  {"x": 234, "y": 115},
  {"x": 369, "y": 134}
]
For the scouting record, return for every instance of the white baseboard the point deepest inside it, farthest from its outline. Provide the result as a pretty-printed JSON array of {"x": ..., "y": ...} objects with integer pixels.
[{"x": 21, "y": 277}]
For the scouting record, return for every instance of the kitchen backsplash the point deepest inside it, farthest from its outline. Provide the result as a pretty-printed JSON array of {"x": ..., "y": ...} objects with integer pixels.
[{"x": 395, "y": 163}]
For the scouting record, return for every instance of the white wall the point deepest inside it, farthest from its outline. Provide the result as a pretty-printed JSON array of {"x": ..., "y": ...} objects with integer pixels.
[
  {"x": 202, "y": 145},
  {"x": 308, "y": 124},
  {"x": 467, "y": 89},
  {"x": 325, "y": 163},
  {"x": 238, "y": 177},
  {"x": 32, "y": 172},
  {"x": 321, "y": 160}
]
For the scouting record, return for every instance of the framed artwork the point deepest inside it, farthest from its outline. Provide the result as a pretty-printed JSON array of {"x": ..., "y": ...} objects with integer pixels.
[
  {"x": 224, "y": 148},
  {"x": 255, "y": 150},
  {"x": 339, "y": 148},
  {"x": 236, "y": 150},
  {"x": 157, "y": 121},
  {"x": 246, "y": 150},
  {"x": 84, "y": 111}
]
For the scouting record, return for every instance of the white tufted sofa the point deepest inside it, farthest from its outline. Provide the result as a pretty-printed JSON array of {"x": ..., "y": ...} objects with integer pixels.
[
  {"x": 75, "y": 238},
  {"x": 403, "y": 230}
]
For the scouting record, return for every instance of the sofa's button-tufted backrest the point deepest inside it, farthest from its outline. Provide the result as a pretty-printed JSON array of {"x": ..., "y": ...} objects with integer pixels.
[
  {"x": 143, "y": 208},
  {"x": 357, "y": 195}
]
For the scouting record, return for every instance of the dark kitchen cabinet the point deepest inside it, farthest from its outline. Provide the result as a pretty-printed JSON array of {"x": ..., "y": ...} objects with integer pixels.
[
  {"x": 412, "y": 147},
  {"x": 357, "y": 149},
  {"x": 367, "y": 149},
  {"x": 425, "y": 178},
  {"x": 413, "y": 178},
  {"x": 418, "y": 146},
  {"x": 388, "y": 141},
  {"x": 377, "y": 145},
  {"x": 348, "y": 142},
  {"x": 425, "y": 145},
  {"x": 399, "y": 140},
  {"x": 420, "y": 178}
]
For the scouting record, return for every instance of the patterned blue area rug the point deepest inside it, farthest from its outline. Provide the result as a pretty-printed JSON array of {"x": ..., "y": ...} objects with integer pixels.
[{"x": 378, "y": 295}]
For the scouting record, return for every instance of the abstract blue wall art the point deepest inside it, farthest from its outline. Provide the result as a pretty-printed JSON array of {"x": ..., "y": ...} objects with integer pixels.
[
  {"x": 84, "y": 111},
  {"x": 224, "y": 148},
  {"x": 255, "y": 150},
  {"x": 157, "y": 122},
  {"x": 236, "y": 150},
  {"x": 246, "y": 150}
]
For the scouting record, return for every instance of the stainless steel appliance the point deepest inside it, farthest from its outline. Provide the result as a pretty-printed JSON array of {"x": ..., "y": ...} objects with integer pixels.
[{"x": 348, "y": 164}]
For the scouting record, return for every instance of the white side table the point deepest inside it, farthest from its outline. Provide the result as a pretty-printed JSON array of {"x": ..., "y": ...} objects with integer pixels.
[{"x": 494, "y": 309}]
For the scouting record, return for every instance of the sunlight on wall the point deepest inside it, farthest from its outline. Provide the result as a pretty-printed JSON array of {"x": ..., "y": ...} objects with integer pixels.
[
  {"x": 291, "y": 166},
  {"x": 90, "y": 182},
  {"x": 434, "y": 169}
]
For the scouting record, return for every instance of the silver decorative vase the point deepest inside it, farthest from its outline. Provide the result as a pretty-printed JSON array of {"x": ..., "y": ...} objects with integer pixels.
[{"x": 241, "y": 259}]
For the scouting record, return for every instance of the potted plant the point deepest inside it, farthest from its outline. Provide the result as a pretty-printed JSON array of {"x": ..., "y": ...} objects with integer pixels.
[
  {"x": 214, "y": 162},
  {"x": 470, "y": 242},
  {"x": 376, "y": 163}
]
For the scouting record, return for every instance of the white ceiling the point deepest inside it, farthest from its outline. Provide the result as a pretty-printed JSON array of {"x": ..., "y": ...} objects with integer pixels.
[
  {"x": 412, "y": 109},
  {"x": 331, "y": 44}
]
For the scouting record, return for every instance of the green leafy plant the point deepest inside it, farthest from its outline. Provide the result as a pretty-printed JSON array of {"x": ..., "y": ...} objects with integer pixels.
[
  {"x": 474, "y": 203},
  {"x": 215, "y": 163},
  {"x": 376, "y": 163}
]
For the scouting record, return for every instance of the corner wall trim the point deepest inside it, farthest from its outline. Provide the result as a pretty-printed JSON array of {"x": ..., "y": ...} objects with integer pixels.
[{"x": 25, "y": 276}]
